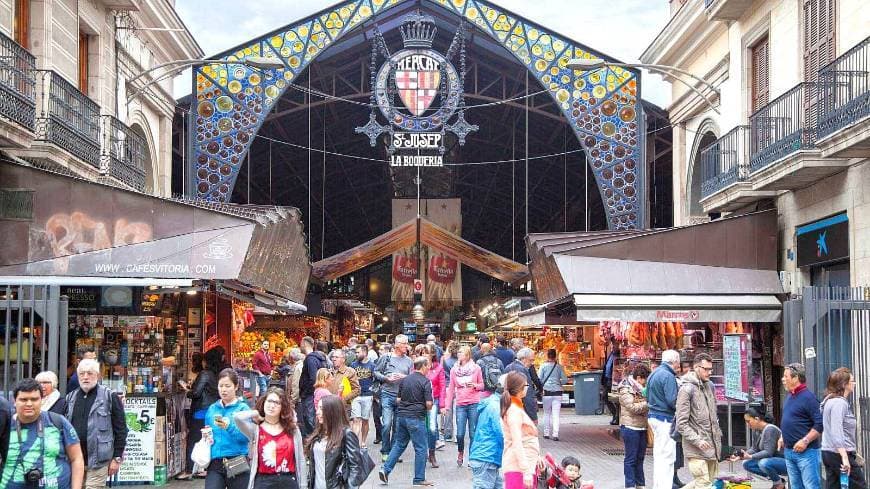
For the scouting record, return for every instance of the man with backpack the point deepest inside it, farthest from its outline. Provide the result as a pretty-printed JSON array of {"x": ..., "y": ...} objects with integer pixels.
[
  {"x": 47, "y": 451},
  {"x": 491, "y": 369}
]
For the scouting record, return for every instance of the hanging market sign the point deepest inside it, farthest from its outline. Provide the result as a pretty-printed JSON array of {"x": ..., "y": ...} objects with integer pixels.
[{"x": 406, "y": 89}]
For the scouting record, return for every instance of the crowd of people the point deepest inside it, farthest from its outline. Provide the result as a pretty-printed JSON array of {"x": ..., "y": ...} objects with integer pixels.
[{"x": 312, "y": 433}]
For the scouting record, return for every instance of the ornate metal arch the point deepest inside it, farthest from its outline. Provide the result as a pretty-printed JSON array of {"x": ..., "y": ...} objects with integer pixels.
[{"x": 602, "y": 106}]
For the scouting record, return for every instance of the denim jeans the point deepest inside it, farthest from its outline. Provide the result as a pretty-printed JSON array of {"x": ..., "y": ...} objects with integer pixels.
[
  {"x": 635, "y": 451},
  {"x": 432, "y": 420},
  {"x": 306, "y": 427},
  {"x": 772, "y": 468},
  {"x": 465, "y": 414},
  {"x": 804, "y": 469},
  {"x": 413, "y": 430},
  {"x": 262, "y": 384},
  {"x": 485, "y": 475},
  {"x": 388, "y": 411}
]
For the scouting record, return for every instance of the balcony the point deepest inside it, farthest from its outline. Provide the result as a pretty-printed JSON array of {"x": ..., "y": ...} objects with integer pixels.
[
  {"x": 123, "y": 154},
  {"x": 782, "y": 137},
  {"x": 724, "y": 173},
  {"x": 844, "y": 104},
  {"x": 17, "y": 92},
  {"x": 67, "y": 119},
  {"x": 726, "y": 9}
]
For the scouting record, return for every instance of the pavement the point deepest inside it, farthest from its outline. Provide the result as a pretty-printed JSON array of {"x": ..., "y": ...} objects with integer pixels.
[{"x": 589, "y": 438}]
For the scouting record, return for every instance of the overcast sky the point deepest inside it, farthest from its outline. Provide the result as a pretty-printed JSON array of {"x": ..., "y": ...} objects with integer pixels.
[{"x": 620, "y": 28}]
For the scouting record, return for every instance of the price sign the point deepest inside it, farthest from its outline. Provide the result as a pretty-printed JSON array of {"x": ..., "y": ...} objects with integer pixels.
[
  {"x": 140, "y": 414},
  {"x": 737, "y": 357}
]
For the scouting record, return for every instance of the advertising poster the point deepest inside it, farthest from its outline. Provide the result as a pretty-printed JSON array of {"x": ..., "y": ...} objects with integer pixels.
[
  {"x": 442, "y": 272},
  {"x": 736, "y": 351},
  {"x": 138, "y": 466}
]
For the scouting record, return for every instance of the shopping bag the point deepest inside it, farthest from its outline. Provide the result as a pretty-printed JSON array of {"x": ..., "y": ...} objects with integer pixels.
[
  {"x": 201, "y": 454},
  {"x": 345, "y": 387}
]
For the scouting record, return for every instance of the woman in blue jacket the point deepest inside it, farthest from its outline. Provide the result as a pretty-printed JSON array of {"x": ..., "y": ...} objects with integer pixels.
[{"x": 228, "y": 443}]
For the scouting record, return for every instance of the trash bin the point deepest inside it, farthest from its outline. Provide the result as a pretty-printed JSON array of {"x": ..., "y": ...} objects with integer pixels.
[{"x": 587, "y": 397}]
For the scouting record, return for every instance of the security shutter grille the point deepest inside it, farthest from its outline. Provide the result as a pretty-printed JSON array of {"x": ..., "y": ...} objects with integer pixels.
[
  {"x": 819, "y": 36},
  {"x": 760, "y": 74},
  {"x": 16, "y": 204}
]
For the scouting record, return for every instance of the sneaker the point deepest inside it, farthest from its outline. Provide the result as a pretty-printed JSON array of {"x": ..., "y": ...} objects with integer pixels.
[
  {"x": 423, "y": 484},
  {"x": 546, "y": 437},
  {"x": 385, "y": 477},
  {"x": 555, "y": 438},
  {"x": 439, "y": 445},
  {"x": 377, "y": 441}
]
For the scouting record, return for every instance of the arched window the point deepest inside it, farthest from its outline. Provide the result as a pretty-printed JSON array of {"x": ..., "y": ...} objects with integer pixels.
[{"x": 693, "y": 196}]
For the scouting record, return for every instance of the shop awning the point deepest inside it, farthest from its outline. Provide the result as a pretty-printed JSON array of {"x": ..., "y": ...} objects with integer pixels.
[
  {"x": 56, "y": 225},
  {"x": 723, "y": 270},
  {"x": 430, "y": 234}
]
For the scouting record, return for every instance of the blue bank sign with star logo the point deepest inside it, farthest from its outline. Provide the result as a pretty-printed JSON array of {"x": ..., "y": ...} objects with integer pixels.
[{"x": 823, "y": 241}]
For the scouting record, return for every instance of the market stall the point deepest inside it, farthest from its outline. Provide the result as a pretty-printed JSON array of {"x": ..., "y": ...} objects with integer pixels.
[{"x": 694, "y": 289}]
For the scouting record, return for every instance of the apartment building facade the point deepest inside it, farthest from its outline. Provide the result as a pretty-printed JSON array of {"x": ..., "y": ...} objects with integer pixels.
[
  {"x": 789, "y": 125},
  {"x": 71, "y": 87}
]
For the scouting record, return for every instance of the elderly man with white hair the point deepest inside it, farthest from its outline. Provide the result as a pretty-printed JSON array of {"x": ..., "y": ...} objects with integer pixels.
[
  {"x": 524, "y": 364},
  {"x": 51, "y": 400},
  {"x": 661, "y": 389},
  {"x": 97, "y": 414}
]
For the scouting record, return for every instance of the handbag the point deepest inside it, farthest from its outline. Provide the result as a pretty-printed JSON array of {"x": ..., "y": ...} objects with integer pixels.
[
  {"x": 236, "y": 466},
  {"x": 363, "y": 461}
]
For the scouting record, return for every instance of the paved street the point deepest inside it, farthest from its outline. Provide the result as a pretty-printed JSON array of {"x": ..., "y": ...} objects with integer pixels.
[{"x": 590, "y": 438}]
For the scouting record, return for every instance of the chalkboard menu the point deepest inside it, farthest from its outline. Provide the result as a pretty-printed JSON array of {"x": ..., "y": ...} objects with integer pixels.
[{"x": 737, "y": 357}]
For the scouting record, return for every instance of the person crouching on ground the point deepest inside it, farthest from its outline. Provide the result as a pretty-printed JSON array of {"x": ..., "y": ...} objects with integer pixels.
[
  {"x": 764, "y": 458},
  {"x": 634, "y": 424}
]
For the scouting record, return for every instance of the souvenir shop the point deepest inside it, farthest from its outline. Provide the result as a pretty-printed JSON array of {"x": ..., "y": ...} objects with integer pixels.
[{"x": 144, "y": 283}]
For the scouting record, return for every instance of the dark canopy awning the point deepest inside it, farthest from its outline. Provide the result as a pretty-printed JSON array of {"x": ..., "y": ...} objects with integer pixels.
[
  {"x": 704, "y": 272},
  {"x": 58, "y": 225}
]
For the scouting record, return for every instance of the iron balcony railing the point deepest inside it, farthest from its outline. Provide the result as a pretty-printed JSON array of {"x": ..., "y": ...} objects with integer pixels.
[
  {"x": 123, "y": 154},
  {"x": 17, "y": 83},
  {"x": 782, "y": 127},
  {"x": 844, "y": 90},
  {"x": 68, "y": 119},
  {"x": 725, "y": 162}
]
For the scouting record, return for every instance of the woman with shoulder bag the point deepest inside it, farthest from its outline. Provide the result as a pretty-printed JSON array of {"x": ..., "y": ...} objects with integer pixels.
[
  {"x": 839, "y": 437},
  {"x": 229, "y": 466},
  {"x": 333, "y": 452},
  {"x": 521, "y": 447},
  {"x": 275, "y": 448},
  {"x": 554, "y": 378},
  {"x": 633, "y": 428}
]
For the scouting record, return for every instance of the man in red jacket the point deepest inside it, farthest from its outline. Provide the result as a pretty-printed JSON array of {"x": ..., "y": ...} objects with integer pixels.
[{"x": 262, "y": 365}]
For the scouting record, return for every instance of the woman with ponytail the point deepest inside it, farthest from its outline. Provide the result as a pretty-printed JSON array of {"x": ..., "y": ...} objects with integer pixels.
[{"x": 521, "y": 448}]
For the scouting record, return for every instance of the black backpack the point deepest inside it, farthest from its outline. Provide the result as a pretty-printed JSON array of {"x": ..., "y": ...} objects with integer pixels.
[{"x": 491, "y": 370}]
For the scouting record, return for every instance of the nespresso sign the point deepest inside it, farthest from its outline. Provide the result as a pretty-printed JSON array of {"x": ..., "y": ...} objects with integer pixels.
[{"x": 823, "y": 241}]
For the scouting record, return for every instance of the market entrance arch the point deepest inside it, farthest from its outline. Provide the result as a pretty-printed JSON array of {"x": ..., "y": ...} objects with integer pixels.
[{"x": 232, "y": 100}]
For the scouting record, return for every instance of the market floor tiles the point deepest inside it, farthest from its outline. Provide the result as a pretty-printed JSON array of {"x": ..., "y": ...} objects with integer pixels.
[{"x": 590, "y": 438}]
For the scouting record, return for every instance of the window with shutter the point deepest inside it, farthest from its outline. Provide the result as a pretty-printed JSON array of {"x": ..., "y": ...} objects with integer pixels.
[
  {"x": 760, "y": 77},
  {"x": 83, "y": 62},
  {"x": 22, "y": 23},
  {"x": 819, "y": 36}
]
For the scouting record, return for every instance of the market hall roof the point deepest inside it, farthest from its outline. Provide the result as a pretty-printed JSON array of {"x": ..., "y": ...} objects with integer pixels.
[
  {"x": 732, "y": 256},
  {"x": 52, "y": 224}
]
